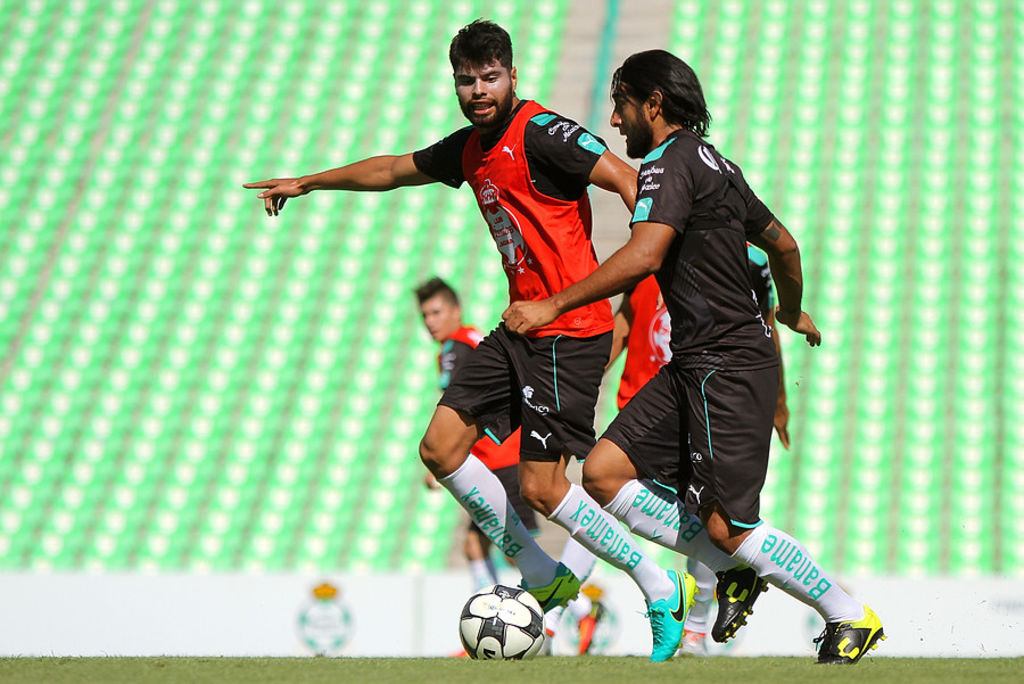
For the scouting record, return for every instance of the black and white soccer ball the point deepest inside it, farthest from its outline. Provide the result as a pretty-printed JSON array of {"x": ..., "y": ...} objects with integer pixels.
[{"x": 502, "y": 623}]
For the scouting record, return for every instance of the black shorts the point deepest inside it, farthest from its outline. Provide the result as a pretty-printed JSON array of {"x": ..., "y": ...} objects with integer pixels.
[
  {"x": 546, "y": 385},
  {"x": 509, "y": 477},
  {"x": 728, "y": 417}
]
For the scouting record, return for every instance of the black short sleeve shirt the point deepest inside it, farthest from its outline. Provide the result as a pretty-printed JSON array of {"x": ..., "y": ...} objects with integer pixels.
[{"x": 716, "y": 321}]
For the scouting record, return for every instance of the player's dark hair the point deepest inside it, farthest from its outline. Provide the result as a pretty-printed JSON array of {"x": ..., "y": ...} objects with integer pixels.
[
  {"x": 682, "y": 99},
  {"x": 480, "y": 43},
  {"x": 433, "y": 287}
]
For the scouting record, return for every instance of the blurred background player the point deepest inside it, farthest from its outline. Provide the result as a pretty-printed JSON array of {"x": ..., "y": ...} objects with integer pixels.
[
  {"x": 442, "y": 317},
  {"x": 643, "y": 329}
]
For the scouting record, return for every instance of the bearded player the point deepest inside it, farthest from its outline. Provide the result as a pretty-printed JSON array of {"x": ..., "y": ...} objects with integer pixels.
[
  {"x": 693, "y": 216},
  {"x": 643, "y": 330}
]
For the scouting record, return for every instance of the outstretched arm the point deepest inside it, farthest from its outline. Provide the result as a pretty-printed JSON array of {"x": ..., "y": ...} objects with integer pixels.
[
  {"x": 614, "y": 175},
  {"x": 373, "y": 174},
  {"x": 634, "y": 261},
  {"x": 784, "y": 260}
]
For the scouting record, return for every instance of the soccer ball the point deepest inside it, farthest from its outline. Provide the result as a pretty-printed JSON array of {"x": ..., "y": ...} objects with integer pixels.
[{"x": 502, "y": 623}]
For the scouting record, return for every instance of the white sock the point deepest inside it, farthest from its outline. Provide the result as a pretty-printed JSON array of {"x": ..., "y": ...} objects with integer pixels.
[
  {"x": 596, "y": 529},
  {"x": 697, "y": 618},
  {"x": 552, "y": 618},
  {"x": 481, "y": 493},
  {"x": 580, "y": 606},
  {"x": 783, "y": 561},
  {"x": 654, "y": 513},
  {"x": 481, "y": 573},
  {"x": 577, "y": 558}
]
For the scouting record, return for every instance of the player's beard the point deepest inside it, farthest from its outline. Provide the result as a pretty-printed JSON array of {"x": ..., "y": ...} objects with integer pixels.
[
  {"x": 492, "y": 120},
  {"x": 639, "y": 141}
]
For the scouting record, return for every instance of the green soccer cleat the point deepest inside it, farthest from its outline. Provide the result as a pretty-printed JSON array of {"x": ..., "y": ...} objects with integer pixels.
[
  {"x": 559, "y": 591},
  {"x": 667, "y": 616},
  {"x": 844, "y": 643},
  {"x": 737, "y": 590}
]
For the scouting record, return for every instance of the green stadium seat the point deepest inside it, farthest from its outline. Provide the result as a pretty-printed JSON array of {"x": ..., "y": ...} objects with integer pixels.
[{"x": 198, "y": 387}]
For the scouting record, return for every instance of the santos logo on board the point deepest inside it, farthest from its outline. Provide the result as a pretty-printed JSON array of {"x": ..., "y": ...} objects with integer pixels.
[{"x": 325, "y": 623}]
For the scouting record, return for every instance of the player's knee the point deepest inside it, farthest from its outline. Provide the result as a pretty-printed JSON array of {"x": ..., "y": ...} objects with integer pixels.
[
  {"x": 428, "y": 453},
  {"x": 723, "y": 535},
  {"x": 598, "y": 485},
  {"x": 435, "y": 457},
  {"x": 537, "y": 495},
  {"x": 532, "y": 493},
  {"x": 601, "y": 481},
  {"x": 726, "y": 543},
  {"x": 447, "y": 441},
  {"x": 717, "y": 536}
]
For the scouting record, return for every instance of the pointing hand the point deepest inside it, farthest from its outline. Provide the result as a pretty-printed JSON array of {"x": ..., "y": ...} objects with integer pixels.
[{"x": 276, "y": 192}]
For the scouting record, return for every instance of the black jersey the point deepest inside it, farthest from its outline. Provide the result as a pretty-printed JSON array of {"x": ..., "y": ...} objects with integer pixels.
[
  {"x": 704, "y": 278},
  {"x": 559, "y": 153}
]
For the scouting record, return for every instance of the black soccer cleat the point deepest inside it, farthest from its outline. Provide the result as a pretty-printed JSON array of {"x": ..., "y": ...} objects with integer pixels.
[
  {"x": 844, "y": 643},
  {"x": 737, "y": 590}
]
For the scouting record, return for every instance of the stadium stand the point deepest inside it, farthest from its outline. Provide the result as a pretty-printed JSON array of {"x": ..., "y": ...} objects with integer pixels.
[
  {"x": 186, "y": 384},
  {"x": 874, "y": 129}
]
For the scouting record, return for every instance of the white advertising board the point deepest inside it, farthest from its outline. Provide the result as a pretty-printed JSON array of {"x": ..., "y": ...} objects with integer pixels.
[{"x": 417, "y": 615}]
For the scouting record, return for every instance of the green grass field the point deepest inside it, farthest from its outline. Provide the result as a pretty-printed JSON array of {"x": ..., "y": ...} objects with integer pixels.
[{"x": 587, "y": 670}]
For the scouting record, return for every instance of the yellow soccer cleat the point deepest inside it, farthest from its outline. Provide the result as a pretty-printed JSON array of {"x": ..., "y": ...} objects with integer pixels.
[{"x": 844, "y": 643}]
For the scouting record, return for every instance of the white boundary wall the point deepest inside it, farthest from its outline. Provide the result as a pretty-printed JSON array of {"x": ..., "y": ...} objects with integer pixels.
[{"x": 416, "y": 615}]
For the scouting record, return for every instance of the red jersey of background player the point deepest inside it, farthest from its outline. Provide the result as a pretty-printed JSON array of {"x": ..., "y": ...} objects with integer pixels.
[
  {"x": 454, "y": 349},
  {"x": 647, "y": 347},
  {"x": 544, "y": 242}
]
